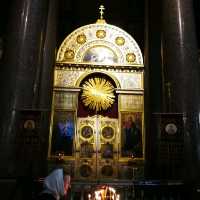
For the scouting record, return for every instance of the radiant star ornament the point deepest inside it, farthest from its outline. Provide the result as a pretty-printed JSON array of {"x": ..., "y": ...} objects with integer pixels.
[{"x": 98, "y": 94}]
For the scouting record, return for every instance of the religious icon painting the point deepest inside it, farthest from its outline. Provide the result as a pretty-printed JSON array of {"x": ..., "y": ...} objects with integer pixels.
[
  {"x": 107, "y": 133},
  {"x": 171, "y": 126},
  {"x": 85, "y": 170},
  {"x": 27, "y": 136},
  {"x": 86, "y": 150},
  {"x": 107, "y": 150},
  {"x": 100, "y": 54},
  {"x": 64, "y": 100},
  {"x": 63, "y": 133},
  {"x": 86, "y": 133},
  {"x": 131, "y": 134},
  {"x": 29, "y": 125}
]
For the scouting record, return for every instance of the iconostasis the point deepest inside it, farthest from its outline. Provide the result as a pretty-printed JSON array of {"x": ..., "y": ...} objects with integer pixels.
[{"x": 97, "y": 127}]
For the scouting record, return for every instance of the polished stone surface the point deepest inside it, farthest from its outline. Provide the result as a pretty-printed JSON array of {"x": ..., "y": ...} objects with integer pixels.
[
  {"x": 180, "y": 58},
  {"x": 182, "y": 75},
  {"x": 152, "y": 82},
  {"x": 22, "y": 68}
]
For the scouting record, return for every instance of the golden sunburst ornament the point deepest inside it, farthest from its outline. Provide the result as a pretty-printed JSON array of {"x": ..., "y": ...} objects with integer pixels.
[{"x": 98, "y": 94}]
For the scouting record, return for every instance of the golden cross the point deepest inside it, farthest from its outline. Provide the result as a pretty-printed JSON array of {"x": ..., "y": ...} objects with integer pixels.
[{"x": 101, "y": 8}]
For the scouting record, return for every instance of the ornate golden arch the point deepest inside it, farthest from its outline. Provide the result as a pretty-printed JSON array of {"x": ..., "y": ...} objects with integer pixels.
[
  {"x": 116, "y": 81},
  {"x": 95, "y": 39}
]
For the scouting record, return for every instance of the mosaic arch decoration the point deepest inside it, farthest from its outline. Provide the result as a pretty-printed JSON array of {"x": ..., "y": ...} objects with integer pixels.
[{"x": 100, "y": 43}]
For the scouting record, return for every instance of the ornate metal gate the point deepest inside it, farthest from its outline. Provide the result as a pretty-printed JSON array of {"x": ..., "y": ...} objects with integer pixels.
[{"x": 96, "y": 147}]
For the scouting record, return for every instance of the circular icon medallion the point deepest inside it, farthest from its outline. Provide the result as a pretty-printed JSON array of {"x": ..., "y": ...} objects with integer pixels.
[
  {"x": 86, "y": 132},
  {"x": 85, "y": 170},
  {"x": 107, "y": 170},
  {"x": 171, "y": 128},
  {"x": 107, "y": 133}
]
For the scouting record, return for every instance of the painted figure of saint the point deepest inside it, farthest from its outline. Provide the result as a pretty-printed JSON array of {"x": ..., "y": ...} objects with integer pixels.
[
  {"x": 63, "y": 135},
  {"x": 66, "y": 129},
  {"x": 132, "y": 137}
]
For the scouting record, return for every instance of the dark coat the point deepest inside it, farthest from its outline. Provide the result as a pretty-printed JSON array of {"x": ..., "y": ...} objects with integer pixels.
[{"x": 45, "y": 196}]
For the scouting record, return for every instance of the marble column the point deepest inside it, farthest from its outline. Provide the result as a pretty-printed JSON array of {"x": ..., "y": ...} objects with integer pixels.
[
  {"x": 46, "y": 83},
  {"x": 153, "y": 81},
  {"x": 21, "y": 77},
  {"x": 182, "y": 75}
]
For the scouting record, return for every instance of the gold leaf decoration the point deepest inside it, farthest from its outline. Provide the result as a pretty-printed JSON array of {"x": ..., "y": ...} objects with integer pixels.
[
  {"x": 69, "y": 54},
  {"x": 98, "y": 94},
  {"x": 101, "y": 34},
  {"x": 130, "y": 57},
  {"x": 81, "y": 39},
  {"x": 120, "y": 41}
]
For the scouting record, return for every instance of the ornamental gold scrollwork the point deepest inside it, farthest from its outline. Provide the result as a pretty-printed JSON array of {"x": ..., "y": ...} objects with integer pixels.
[
  {"x": 131, "y": 102},
  {"x": 64, "y": 78},
  {"x": 130, "y": 80},
  {"x": 64, "y": 100}
]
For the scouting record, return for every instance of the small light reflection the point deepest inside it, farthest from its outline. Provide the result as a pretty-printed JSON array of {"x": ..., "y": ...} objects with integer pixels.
[{"x": 104, "y": 193}]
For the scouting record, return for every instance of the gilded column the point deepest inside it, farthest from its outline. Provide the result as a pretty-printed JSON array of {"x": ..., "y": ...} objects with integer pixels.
[{"x": 181, "y": 75}]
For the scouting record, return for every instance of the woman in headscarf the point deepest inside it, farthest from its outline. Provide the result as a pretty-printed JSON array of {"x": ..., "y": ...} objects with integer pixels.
[{"x": 56, "y": 185}]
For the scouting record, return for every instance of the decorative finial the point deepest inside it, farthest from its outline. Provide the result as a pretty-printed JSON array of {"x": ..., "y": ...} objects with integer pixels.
[
  {"x": 101, "y": 8},
  {"x": 101, "y": 11}
]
